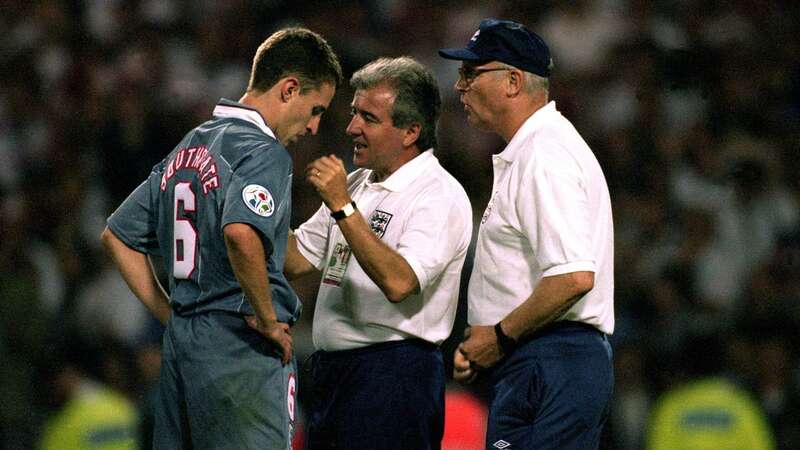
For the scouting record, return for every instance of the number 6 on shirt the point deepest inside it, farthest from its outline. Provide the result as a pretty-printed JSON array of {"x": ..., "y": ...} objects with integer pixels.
[{"x": 185, "y": 246}]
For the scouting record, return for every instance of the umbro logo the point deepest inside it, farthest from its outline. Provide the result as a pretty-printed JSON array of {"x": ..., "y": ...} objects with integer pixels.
[{"x": 501, "y": 444}]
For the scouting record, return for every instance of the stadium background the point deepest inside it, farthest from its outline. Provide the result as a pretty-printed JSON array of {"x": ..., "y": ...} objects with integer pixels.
[{"x": 692, "y": 108}]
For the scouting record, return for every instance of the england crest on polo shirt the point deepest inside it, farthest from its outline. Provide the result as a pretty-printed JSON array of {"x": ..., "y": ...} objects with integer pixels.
[
  {"x": 379, "y": 221},
  {"x": 258, "y": 199}
]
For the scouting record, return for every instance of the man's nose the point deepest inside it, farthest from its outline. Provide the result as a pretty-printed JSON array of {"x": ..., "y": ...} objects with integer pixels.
[
  {"x": 352, "y": 128},
  {"x": 313, "y": 125}
]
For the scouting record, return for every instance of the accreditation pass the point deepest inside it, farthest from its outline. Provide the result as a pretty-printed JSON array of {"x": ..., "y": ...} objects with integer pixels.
[{"x": 337, "y": 265}]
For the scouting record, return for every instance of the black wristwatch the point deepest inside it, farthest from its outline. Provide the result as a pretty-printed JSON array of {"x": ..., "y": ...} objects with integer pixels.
[
  {"x": 506, "y": 343},
  {"x": 348, "y": 210}
]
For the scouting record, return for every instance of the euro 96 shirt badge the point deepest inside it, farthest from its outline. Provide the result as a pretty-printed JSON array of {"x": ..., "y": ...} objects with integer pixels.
[{"x": 259, "y": 200}]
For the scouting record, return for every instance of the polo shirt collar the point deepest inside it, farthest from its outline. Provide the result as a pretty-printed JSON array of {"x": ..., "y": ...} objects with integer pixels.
[
  {"x": 407, "y": 173},
  {"x": 226, "y": 108},
  {"x": 536, "y": 120}
]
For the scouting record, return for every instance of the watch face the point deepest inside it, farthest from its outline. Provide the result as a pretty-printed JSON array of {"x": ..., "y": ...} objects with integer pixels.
[{"x": 346, "y": 211}]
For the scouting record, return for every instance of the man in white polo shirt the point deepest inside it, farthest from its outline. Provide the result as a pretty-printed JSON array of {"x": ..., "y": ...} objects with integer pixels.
[
  {"x": 541, "y": 292},
  {"x": 390, "y": 240}
]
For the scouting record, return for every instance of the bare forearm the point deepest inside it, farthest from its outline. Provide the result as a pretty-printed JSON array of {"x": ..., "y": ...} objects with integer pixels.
[
  {"x": 296, "y": 265},
  {"x": 248, "y": 260},
  {"x": 551, "y": 299},
  {"x": 384, "y": 266},
  {"x": 154, "y": 297},
  {"x": 137, "y": 271}
]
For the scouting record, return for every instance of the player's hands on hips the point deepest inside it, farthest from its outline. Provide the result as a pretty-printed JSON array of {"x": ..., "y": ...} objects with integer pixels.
[
  {"x": 277, "y": 332},
  {"x": 329, "y": 178},
  {"x": 481, "y": 348}
]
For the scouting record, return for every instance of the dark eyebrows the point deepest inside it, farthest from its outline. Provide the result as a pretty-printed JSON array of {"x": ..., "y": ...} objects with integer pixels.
[{"x": 367, "y": 115}]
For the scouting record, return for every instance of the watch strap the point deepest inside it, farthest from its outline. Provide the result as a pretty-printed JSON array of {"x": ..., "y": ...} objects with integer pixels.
[
  {"x": 347, "y": 211},
  {"x": 506, "y": 343}
]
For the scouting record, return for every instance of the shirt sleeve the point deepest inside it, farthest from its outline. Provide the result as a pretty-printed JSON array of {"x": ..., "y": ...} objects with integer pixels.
[
  {"x": 312, "y": 237},
  {"x": 259, "y": 193},
  {"x": 135, "y": 221},
  {"x": 554, "y": 213},
  {"x": 436, "y": 233}
]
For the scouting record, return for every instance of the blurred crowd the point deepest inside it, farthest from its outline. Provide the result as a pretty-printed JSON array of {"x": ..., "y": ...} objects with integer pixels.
[{"x": 692, "y": 108}]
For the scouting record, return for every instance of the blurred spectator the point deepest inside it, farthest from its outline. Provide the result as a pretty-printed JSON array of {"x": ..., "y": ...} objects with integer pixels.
[
  {"x": 582, "y": 33},
  {"x": 632, "y": 399},
  {"x": 754, "y": 214},
  {"x": 696, "y": 178},
  {"x": 693, "y": 109},
  {"x": 23, "y": 324},
  {"x": 705, "y": 410},
  {"x": 148, "y": 363},
  {"x": 89, "y": 415},
  {"x": 776, "y": 389},
  {"x": 105, "y": 306}
]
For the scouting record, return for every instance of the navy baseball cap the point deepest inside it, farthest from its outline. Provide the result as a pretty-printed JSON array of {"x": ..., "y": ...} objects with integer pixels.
[{"x": 505, "y": 41}]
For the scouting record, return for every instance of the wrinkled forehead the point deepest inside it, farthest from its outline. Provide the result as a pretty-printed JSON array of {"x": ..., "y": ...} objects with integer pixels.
[{"x": 381, "y": 94}]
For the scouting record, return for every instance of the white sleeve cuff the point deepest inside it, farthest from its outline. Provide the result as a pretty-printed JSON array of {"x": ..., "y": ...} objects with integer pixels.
[
  {"x": 422, "y": 276},
  {"x": 309, "y": 255},
  {"x": 575, "y": 266}
]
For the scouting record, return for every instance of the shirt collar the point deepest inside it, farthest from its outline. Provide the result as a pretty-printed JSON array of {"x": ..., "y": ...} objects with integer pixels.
[
  {"x": 227, "y": 108},
  {"x": 407, "y": 173},
  {"x": 536, "y": 120}
]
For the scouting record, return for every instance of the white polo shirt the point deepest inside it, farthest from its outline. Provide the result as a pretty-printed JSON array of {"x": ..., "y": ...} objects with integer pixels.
[
  {"x": 549, "y": 214},
  {"x": 423, "y": 213}
]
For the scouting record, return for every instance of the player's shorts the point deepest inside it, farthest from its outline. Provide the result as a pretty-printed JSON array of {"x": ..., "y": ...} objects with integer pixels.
[
  {"x": 222, "y": 386},
  {"x": 387, "y": 396},
  {"x": 553, "y": 391}
]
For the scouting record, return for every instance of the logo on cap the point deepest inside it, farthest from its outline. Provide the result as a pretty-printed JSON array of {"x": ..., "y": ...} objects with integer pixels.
[{"x": 508, "y": 42}]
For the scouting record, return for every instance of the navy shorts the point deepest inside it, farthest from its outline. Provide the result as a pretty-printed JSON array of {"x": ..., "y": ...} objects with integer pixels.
[
  {"x": 222, "y": 386},
  {"x": 553, "y": 391},
  {"x": 384, "y": 396}
]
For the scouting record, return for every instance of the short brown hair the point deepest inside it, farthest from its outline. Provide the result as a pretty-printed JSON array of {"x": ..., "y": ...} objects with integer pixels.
[{"x": 295, "y": 51}]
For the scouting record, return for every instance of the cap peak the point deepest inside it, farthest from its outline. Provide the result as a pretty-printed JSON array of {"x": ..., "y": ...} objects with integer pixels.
[{"x": 508, "y": 42}]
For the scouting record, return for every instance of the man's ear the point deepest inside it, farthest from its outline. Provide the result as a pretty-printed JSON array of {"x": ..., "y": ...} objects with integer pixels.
[
  {"x": 289, "y": 86},
  {"x": 515, "y": 82},
  {"x": 411, "y": 135}
]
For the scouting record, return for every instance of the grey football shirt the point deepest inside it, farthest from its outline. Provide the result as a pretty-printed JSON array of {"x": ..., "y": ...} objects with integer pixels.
[{"x": 230, "y": 169}]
